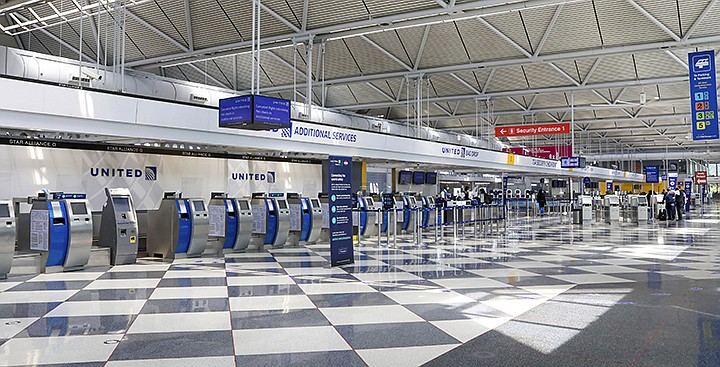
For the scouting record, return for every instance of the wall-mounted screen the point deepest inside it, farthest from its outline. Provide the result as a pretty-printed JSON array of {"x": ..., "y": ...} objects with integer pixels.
[
  {"x": 431, "y": 178},
  {"x": 405, "y": 178},
  {"x": 418, "y": 178}
]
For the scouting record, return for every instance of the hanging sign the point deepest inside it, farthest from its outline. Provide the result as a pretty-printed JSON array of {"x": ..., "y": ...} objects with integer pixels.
[{"x": 703, "y": 95}]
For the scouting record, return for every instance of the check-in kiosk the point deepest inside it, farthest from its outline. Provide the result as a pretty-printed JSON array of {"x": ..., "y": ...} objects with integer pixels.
[
  {"x": 223, "y": 223},
  {"x": 639, "y": 209},
  {"x": 586, "y": 205},
  {"x": 271, "y": 220},
  {"x": 60, "y": 227},
  {"x": 178, "y": 229},
  {"x": 389, "y": 203},
  {"x": 7, "y": 237},
  {"x": 368, "y": 217},
  {"x": 119, "y": 227},
  {"x": 245, "y": 225},
  {"x": 409, "y": 210},
  {"x": 429, "y": 213},
  {"x": 317, "y": 220},
  {"x": 400, "y": 209},
  {"x": 295, "y": 206},
  {"x": 325, "y": 209},
  {"x": 611, "y": 204}
]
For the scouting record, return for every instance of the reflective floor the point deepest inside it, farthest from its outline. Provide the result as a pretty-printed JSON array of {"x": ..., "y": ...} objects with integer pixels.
[{"x": 544, "y": 293}]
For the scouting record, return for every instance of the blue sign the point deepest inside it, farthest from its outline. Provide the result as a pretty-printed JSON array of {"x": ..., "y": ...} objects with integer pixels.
[
  {"x": 652, "y": 174},
  {"x": 703, "y": 95},
  {"x": 255, "y": 113},
  {"x": 587, "y": 181},
  {"x": 608, "y": 186},
  {"x": 688, "y": 194},
  {"x": 572, "y": 162},
  {"x": 341, "y": 204},
  {"x": 672, "y": 182}
]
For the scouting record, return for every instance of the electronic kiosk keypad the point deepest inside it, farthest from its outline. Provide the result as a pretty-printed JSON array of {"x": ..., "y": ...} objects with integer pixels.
[
  {"x": 119, "y": 227},
  {"x": 271, "y": 220},
  {"x": 7, "y": 237},
  {"x": 60, "y": 227},
  {"x": 174, "y": 226}
]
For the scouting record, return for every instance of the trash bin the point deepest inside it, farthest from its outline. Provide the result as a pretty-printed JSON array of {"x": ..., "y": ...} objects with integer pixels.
[{"x": 576, "y": 215}]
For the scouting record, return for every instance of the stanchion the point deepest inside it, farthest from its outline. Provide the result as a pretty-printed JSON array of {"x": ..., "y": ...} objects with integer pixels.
[
  {"x": 394, "y": 222},
  {"x": 380, "y": 224}
]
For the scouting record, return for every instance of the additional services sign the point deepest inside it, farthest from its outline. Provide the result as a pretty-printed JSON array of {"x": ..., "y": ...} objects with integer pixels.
[
  {"x": 538, "y": 129},
  {"x": 340, "y": 206},
  {"x": 255, "y": 113},
  {"x": 701, "y": 178},
  {"x": 652, "y": 174},
  {"x": 703, "y": 95}
]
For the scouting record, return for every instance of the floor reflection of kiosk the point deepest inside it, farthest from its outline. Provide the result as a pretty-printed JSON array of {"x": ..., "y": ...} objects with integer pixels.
[
  {"x": 639, "y": 209},
  {"x": 611, "y": 204},
  {"x": 178, "y": 228},
  {"x": 7, "y": 237},
  {"x": 59, "y": 226},
  {"x": 368, "y": 217},
  {"x": 271, "y": 220},
  {"x": 119, "y": 227}
]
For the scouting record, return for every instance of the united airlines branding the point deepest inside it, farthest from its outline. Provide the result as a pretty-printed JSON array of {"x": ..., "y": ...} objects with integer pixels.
[
  {"x": 269, "y": 176},
  {"x": 149, "y": 173},
  {"x": 461, "y": 152},
  {"x": 284, "y": 133},
  {"x": 701, "y": 64}
]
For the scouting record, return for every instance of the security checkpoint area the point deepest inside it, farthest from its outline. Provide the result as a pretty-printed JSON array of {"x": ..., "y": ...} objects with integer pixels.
[{"x": 359, "y": 183}]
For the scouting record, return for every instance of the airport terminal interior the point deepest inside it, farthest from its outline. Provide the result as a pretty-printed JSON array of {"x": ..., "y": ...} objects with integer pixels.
[{"x": 359, "y": 183}]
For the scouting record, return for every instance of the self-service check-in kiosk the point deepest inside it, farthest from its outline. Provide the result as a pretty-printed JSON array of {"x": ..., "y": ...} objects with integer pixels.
[
  {"x": 639, "y": 209},
  {"x": 611, "y": 204},
  {"x": 295, "y": 205},
  {"x": 586, "y": 205},
  {"x": 230, "y": 222},
  {"x": 409, "y": 212},
  {"x": 60, "y": 227},
  {"x": 312, "y": 220},
  {"x": 7, "y": 237},
  {"x": 119, "y": 227},
  {"x": 368, "y": 217},
  {"x": 271, "y": 220},
  {"x": 389, "y": 203},
  {"x": 429, "y": 214},
  {"x": 179, "y": 227}
]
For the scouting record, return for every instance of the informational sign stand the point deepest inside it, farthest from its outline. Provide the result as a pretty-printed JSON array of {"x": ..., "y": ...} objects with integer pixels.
[
  {"x": 672, "y": 181},
  {"x": 703, "y": 95},
  {"x": 340, "y": 203},
  {"x": 608, "y": 186},
  {"x": 688, "y": 194},
  {"x": 652, "y": 174}
]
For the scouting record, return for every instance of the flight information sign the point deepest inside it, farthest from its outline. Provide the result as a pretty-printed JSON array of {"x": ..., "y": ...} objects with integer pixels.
[{"x": 254, "y": 112}]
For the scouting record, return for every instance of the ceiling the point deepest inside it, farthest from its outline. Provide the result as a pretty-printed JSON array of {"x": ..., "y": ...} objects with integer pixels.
[{"x": 480, "y": 64}]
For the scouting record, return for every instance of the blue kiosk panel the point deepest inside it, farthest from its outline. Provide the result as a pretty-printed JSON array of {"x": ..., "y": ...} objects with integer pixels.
[
  {"x": 185, "y": 229},
  {"x": 232, "y": 223},
  {"x": 59, "y": 235}
]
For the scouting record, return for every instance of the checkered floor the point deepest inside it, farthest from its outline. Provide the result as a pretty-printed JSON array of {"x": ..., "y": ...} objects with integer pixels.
[{"x": 399, "y": 306}]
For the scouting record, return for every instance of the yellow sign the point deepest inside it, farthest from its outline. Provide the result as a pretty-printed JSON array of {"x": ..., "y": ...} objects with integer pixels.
[
  {"x": 511, "y": 159},
  {"x": 133, "y": 239}
]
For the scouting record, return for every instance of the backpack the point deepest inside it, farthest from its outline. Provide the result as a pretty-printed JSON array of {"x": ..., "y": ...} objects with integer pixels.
[{"x": 662, "y": 215}]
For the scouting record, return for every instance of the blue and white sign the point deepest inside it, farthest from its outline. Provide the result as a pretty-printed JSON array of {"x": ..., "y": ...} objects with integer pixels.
[
  {"x": 688, "y": 193},
  {"x": 672, "y": 182},
  {"x": 652, "y": 174},
  {"x": 587, "y": 181},
  {"x": 340, "y": 204},
  {"x": 255, "y": 113},
  {"x": 608, "y": 186},
  {"x": 703, "y": 95}
]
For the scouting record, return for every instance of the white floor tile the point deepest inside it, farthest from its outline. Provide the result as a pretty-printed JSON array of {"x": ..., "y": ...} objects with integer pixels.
[
  {"x": 10, "y": 327},
  {"x": 548, "y": 291},
  {"x": 56, "y": 350},
  {"x": 194, "y": 273},
  {"x": 513, "y": 306},
  {"x": 262, "y": 303},
  {"x": 403, "y": 357},
  {"x": 441, "y": 296},
  {"x": 7, "y": 285},
  {"x": 314, "y": 271},
  {"x": 189, "y": 292},
  {"x": 98, "y": 308},
  {"x": 621, "y": 262},
  {"x": 468, "y": 283},
  {"x": 396, "y": 256},
  {"x": 35, "y": 296},
  {"x": 180, "y": 322},
  {"x": 253, "y": 265},
  {"x": 139, "y": 267},
  {"x": 177, "y": 362},
  {"x": 66, "y": 277},
  {"x": 389, "y": 277},
  {"x": 503, "y": 273},
  {"x": 590, "y": 278},
  {"x": 336, "y": 288},
  {"x": 369, "y": 315},
  {"x": 123, "y": 284},
  {"x": 426, "y": 268},
  {"x": 609, "y": 269},
  {"x": 466, "y": 330},
  {"x": 288, "y": 340},
  {"x": 260, "y": 280}
]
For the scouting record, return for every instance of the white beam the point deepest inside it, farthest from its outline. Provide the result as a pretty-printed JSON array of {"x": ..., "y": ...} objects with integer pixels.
[
  {"x": 463, "y": 82},
  {"x": 210, "y": 77},
  {"x": 699, "y": 20},
  {"x": 306, "y": 7},
  {"x": 386, "y": 53},
  {"x": 279, "y": 17},
  {"x": 655, "y": 20},
  {"x": 548, "y": 30},
  {"x": 188, "y": 25},
  {"x": 421, "y": 50},
  {"x": 505, "y": 37},
  {"x": 156, "y": 31}
]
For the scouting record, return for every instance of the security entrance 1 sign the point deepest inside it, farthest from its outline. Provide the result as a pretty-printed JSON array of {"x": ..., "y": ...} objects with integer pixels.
[{"x": 526, "y": 130}]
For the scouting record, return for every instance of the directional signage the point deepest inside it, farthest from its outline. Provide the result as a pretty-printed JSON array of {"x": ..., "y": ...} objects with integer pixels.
[
  {"x": 703, "y": 95},
  {"x": 701, "y": 178},
  {"x": 572, "y": 162},
  {"x": 672, "y": 181},
  {"x": 538, "y": 129},
  {"x": 254, "y": 113},
  {"x": 652, "y": 174},
  {"x": 587, "y": 181}
]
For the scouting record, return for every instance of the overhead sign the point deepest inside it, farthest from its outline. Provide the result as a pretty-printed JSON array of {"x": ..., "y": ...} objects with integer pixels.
[
  {"x": 538, "y": 129},
  {"x": 608, "y": 186},
  {"x": 340, "y": 205},
  {"x": 672, "y": 181},
  {"x": 542, "y": 151},
  {"x": 703, "y": 95},
  {"x": 255, "y": 113},
  {"x": 652, "y": 174},
  {"x": 701, "y": 178},
  {"x": 572, "y": 162}
]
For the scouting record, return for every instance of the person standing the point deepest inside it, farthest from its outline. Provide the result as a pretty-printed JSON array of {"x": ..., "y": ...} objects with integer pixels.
[
  {"x": 540, "y": 197},
  {"x": 680, "y": 204},
  {"x": 670, "y": 204}
]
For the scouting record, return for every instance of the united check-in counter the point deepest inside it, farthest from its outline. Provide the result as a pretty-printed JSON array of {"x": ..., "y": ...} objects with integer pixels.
[
  {"x": 178, "y": 228},
  {"x": 230, "y": 223},
  {"x": 639, "y": 209},
  {"x": 298, "y": 218},
  {"x": 59, "y": 226},
  {"x": 325, "y": 225},
  {"x": 611, "y": 204},
  {"x": 271, "y": 220},
  {"x": 7, "y": 238},
  {"x": 316, "y": 217},
  {"x": 368, "y": 217},
  {"x": 119, "y": 227}
]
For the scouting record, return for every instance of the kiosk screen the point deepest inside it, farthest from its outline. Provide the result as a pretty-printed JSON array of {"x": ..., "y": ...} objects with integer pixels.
[
  {"x": 4, "y": 211},
  {"x": 199, "y": 206},
  {"x": 282, "y": 204},
  {"x": 121, "y": 204},
  {"x": 77, "y": 208},
  {"x": 244, "y": 205}
]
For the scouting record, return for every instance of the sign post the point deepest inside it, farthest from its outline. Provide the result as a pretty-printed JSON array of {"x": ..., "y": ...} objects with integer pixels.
[
  {"x": 340, "y": 206},
  {"x": 688, "y": 194},
  {"x": 703, "y": 95}
]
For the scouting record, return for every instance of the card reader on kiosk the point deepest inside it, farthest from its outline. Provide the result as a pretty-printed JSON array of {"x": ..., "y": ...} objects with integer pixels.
[
  {"x": 7, "y": 237},
  {"x": 368, "y": 217},
  {"x": 60, "y": 227},
  {"x": 271, "y": 220},
  {"x": 119, "y": 227},
  {"x": 173, "y": 227},
  {"x": 317, "y": 220}
]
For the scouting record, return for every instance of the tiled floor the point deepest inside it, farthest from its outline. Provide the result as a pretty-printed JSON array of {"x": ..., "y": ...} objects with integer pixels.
[{"x": 543, "y": 294}]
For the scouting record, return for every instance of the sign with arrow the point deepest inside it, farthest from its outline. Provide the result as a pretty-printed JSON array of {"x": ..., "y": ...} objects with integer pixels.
[{"x": 536, "y": 129}]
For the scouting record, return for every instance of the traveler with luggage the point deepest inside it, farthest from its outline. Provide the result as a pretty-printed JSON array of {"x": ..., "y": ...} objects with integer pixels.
[
  {"x": 670, "y": 204},
  {"x": 680, "y": 203}
]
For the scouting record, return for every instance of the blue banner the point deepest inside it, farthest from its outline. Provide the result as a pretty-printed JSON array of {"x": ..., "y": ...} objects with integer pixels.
[
  {"x": 652, "y": 174},
  {"x": 688, "y": 194},
  {"x": 672, "y": 182},
  {"x": 703, "y": 95},
  {"x": 341, "y": 204},
  {"x": 608, "y": 186},
  {"x": 587, "y": 181}
]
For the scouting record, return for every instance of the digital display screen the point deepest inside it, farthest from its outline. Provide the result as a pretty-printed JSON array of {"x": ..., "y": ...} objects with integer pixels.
[
  {"x": 4, "y": 211},
  {"x": 418, "y": 178},
  {"x": 199, "y": 206},
  {"x": 431, "y": 178},
  {"x": 572, "y": 162},
  {"x": 315, "y": 203},
  {"x": 121, "y": 204},
  {"x": 412, "y": 201},
  {"x": 254, "y": 113},
  {"x": 244, "y": 205},
  {"x": 282, "y": 204},
  {"x": 405, "y": 178},
  {"x": 77, "y": 209}
]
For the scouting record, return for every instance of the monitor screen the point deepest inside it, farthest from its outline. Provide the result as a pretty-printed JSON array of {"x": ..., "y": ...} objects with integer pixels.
[
  {"x": 77, "y": 209},
  {"x": 370, "y": 202},
  {"x": 412, "y": 201},
  {"x": 405, "y": 178},
  {"x": 282, "y": 204},
  {"x": 121, "y": 204},
  {"x": 4, "y": 211},
  {"x": 244, "y": 205},
  {"x": 199, "y": 206},
  {"x": 315, "y": 203},
  {"x": 431, "y": 178},
  {"x": 418, "y": 178}
]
